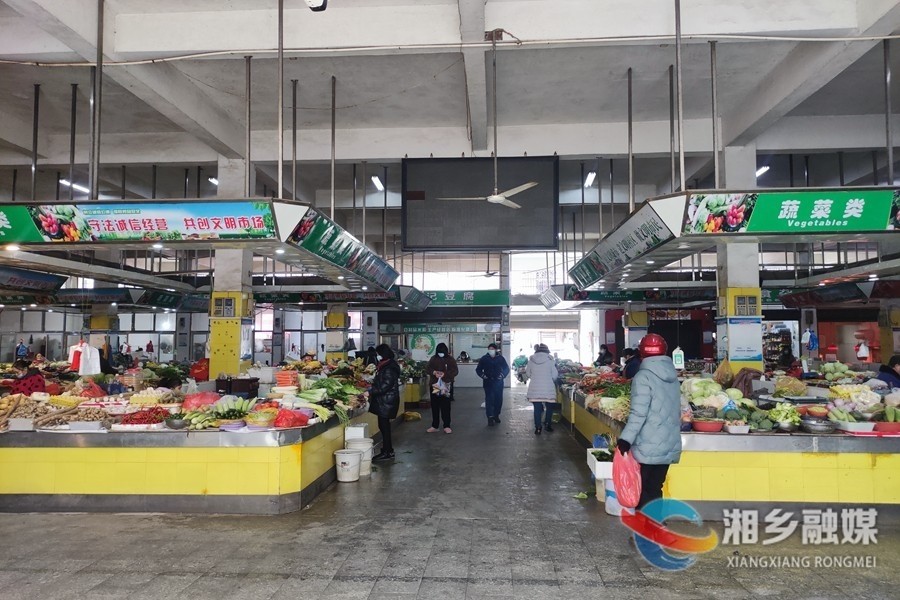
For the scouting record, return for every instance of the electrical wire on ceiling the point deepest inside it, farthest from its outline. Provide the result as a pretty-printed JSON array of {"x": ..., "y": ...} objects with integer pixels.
[{"x": 519, "y": 43}]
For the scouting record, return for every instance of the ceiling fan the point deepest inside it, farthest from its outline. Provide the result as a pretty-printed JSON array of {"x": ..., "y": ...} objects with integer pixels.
[
  {"x": 487, "y": 269},
  {"x": 498, "y": 197}
]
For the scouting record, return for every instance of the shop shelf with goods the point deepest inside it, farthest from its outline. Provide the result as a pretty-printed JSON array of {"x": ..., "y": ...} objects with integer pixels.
[
  {"x": 170, "y": 451},
  {"x": 788, "y": 445}
]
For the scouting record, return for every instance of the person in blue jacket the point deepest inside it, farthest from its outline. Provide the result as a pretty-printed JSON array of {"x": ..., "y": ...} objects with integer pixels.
[
  {"x": 493, "y": 369},
  {"x": 890, "y": 373},
  {"x": 653, "y": 430}
]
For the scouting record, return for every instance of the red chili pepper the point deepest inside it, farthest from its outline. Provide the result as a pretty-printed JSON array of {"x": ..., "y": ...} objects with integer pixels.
[{"x": 149, "y": 416}]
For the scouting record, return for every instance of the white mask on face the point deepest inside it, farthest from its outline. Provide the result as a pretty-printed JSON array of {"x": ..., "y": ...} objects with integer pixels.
[
  {"x": 379, "y": 357},
  {"x": 492, "y": 352},
  {"x": 441, "y": 355}
]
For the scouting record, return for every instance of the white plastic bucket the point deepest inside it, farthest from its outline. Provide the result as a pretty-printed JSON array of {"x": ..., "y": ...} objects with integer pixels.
[
  {"x": 612, "y": 502},
  {"x": 347, "y": 462},
  {"x": 367, "y": 445}
]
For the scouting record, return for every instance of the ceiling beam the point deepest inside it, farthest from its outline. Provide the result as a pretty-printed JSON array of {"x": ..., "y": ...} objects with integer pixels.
[
  {"x": 51, "y": 264},
  {"x": 471, "y": 29},
  {"x": 15, "y": 134},
  {"x": 805, "y": 70},
  {"x": 161, "y": 86}
]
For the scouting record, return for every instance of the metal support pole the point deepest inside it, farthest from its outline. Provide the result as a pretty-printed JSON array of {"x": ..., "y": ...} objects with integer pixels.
[
  {"x": 630, "y": 145},
  {"x": 58, "y": 177},
  {"x": 582, "y": 208},
  {"x": 384, "y": 218},
  {"x": 334, "y": 137},
  {"x": 355, "y": 183},
  {"x": 123, "y": 183},
  {"x": 247, "y": 140},
  {"x": 187, "y": 177},
  {"x": 714, "y": 75},
  {"x": 199, "y": 179},
  {"x": 791, "y": 168},
  {"x": 806, "y": 170},
  {"x": 294, "y": 145},
  {"x": 599, "y": 200},
  {"x": 888, "y": 117},
  {"x": 562, "y": 226},
  {"x": 92, "y": 102},
  {"x": 96, "y": 107},
  {"x": 34, "y": 139},
  {"x": 672, "y": 126},
  {"x": 679, "y": 86},
  {"x": 841, "y": 167},
  {"x": 14, "y": 183},
  {"x": 365, "y": 190},
  {"x": 573, "y": 237},
  {"x": 494, "y": 103},
  {"x": 153, "y": 178},
  {"x": 280, "y": 193},
  {"x": 612, "y": 210},
  {"x": 72, "y": 142}
]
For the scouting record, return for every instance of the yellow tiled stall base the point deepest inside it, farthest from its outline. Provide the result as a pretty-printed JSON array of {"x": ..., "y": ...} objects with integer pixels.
[
  {"x": 786, "y": 477},
  {"x": 190, "y": 471},
  {"x": 587, "y": 424}
]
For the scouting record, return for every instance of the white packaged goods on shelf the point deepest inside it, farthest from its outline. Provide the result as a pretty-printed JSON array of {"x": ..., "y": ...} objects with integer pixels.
[{"x": 356, "y": 432}]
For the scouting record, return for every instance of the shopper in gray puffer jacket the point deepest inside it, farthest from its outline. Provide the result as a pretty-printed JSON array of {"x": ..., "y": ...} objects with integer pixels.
[
  {"x": 653, "y": 431},
  {"x": 542, "y": 374}
]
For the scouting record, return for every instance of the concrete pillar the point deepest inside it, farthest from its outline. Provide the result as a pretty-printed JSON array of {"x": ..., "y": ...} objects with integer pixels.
[
  {"x": 739, "y": 166},
  {"x": 505, "y": 331},
  {"x": 590, "y": 335},
  {"x": 337, "y": 321},
  {"x": 231, "y": 301},
  {"x": 369, "y": 330},
  {"x": 889, "y": 330},
  {"x": 737, "y": 277},
  {"x": 183, "y": 337}
]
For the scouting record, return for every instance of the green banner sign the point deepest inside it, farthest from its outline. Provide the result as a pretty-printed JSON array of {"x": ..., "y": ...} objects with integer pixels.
[
  {"x": 322, "y": 237},
  {"x": 135, "y": 222},
  {"x": 161, "y": 299},
  {"x": 469, "y": 298},
  {"x": 440, "y": 328},
  {"x": 807, "y": 211},
  {"x": 324, "y": 297}
]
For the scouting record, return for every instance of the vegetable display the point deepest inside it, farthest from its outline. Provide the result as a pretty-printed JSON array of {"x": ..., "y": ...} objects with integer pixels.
[{"x": 784, "y": 413}]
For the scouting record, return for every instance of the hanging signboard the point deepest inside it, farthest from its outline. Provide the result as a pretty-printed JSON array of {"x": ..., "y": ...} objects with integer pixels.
[
  {"x": 413, "y": 298},
  {"x": 20, "y": 279},
  {"x": 322, "y": 237},
  {"x": 806, "y": 211},
  {"x": 135, "y": 222},
  {"x": 161, "y": 299},
  {"x": 469, "y": 298},
  {"x": 440, "y": 328},
  {"x": 195, "y": 304},
  {"x": 324, "y": 297},
  {"x": 641, "y": 233}
]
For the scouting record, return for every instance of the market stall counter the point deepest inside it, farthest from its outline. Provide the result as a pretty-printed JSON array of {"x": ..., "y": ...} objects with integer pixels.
[
  {"x": 765, "y": 470},
  {"x": 263, "y": 472}
]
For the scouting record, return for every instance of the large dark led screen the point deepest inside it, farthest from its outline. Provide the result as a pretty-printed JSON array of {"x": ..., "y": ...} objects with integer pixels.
[{"x": 433, "y": 224}]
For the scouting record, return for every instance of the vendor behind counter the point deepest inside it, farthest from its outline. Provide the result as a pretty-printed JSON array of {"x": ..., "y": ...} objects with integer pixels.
[{"x": 28, "y": 379}]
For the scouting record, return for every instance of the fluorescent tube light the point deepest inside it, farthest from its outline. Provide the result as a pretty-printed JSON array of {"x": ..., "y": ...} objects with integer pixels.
[
  {"x": 762, "y": 171},
  {"x": 589, "y": 180},
  {"x": 75, "y": 186},
  {"x": 378, "y": 183}
]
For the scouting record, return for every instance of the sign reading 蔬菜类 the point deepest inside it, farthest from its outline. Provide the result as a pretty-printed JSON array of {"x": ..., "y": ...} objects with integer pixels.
[
  {"x": 806, "y": 211},
  {"x": 135, "y": 222}
]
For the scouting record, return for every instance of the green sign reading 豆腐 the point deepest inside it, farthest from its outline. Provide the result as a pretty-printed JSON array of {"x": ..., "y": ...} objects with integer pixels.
[
  {"x": 802, "y": 211},
  {"x": 469, "y": 298}
]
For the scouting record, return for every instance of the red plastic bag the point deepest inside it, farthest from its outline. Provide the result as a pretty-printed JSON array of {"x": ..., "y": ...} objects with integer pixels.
[
  {"x": 200, "y": 370},
  {"x": 199, "y": 400},
  {"x": 627, "y": 479},
  {"x": 290, "y": 418}
]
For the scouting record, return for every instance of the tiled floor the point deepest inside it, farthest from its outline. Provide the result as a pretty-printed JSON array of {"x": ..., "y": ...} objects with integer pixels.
[{"x": 481, "y": 513}]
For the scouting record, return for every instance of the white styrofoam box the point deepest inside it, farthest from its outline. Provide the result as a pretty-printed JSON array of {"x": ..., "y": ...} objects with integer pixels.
[
  {"x": 767, "y": 386},
  {"x": 357, "y": 431},
  {"x": 18, "y": 424},
  {"x": 265, "y": 374},
  {"x": 601, "y": 470}
]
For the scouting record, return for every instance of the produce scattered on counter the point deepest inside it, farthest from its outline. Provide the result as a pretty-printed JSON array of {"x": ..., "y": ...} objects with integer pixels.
[{"x": 149, "y": 416}]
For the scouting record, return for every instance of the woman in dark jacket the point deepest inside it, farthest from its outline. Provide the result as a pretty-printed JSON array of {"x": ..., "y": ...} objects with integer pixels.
[
  {"x": 441, "y": 366},
  {"x": 605, "y": 358},
  {"x": 384, "y": 397}
]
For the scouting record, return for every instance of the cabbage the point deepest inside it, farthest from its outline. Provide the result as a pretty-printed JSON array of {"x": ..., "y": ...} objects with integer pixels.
[
  {"x": 700, "y": 388},
  {"x": 734, "y": 393},
  {"x": 715, "y": 400}
]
